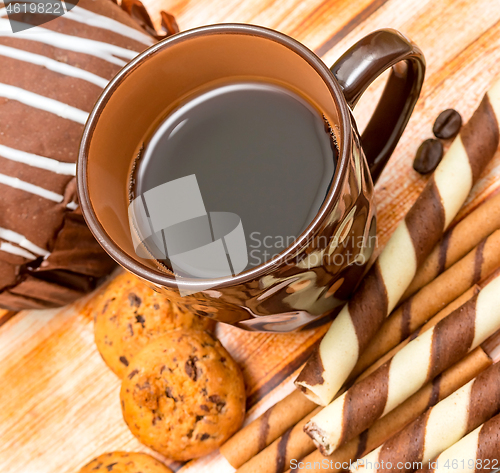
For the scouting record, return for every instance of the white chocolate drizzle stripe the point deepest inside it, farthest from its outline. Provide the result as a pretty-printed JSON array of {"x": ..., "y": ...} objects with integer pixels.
[
  {"x": 90, "y": 18},
  {"x": 99, "y": 21},
  {"x": 105, "y": 51},
  {"x": 14, "y": 250},
  {"x": 52, "y": 65},
  {"x": 41, "y": 162},
  {"x": 43, "y": 103},
  {"x": 16, "y": 183},
  {"x": 22, "y": 241}
]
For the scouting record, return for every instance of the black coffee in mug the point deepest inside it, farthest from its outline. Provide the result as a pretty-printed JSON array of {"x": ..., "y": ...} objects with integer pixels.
[{"x": 258, "y": 150}]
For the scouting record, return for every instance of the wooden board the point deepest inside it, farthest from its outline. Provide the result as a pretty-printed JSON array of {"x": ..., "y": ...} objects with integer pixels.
[{"x": 59, "y": 404}]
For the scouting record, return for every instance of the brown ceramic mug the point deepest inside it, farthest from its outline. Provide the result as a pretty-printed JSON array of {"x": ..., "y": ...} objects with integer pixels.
[{"x": 312, "y": 278}]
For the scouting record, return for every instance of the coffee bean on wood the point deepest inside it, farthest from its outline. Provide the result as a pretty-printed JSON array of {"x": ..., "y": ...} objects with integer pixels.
[
  {"x": 428, "y": 156},
  {"x": 447, "y": 124}
]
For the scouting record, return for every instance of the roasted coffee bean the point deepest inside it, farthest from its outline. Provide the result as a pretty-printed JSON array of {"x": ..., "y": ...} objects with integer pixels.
[
  {"x": 428, "y": 156},
  {"x": 447, "y": 124}
]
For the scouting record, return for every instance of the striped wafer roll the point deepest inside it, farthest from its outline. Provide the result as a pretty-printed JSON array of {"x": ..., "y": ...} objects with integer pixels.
[
  {"x": 439, "y": 388},
  {"x": 296, "y": 444},
  {"x": 409, "y": 246},
  {"x": 459, "y": 301},
  {"x": 457, "y": 242},
  {"x": 418, "y": 362},
  {"x": 408, "y": 317},
  {"x": 439, "y": 427},
  {"x": 257, "y": 435},
  {"x": 288, "y": 414},
  {"x": 477, "y": 451}
]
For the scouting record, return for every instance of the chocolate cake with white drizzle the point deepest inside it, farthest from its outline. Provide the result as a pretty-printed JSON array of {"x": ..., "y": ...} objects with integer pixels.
[{"x": 50, "y": 77}]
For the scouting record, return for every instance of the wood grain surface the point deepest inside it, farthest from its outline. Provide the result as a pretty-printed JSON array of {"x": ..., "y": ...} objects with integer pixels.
[{"x": 59, "y": 404}]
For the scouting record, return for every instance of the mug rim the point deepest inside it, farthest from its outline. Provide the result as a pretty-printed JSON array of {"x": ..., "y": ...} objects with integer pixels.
[{"x": 168, "y": 280}]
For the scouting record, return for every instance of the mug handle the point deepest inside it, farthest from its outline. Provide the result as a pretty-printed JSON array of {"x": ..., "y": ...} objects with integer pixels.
[{"x": 359, "y": 66}]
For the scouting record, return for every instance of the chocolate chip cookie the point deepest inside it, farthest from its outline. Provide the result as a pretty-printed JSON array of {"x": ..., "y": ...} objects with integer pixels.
[
  {"x": 183, "y": 395},
  {"x": 128, "y": 314},
  {"x": 124, "y": 462}
]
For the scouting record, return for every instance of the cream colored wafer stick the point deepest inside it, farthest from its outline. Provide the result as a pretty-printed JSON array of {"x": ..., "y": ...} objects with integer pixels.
[
  {"x": 418, "y": 362},
  {"x": 477, "y": 451},
  {"x": 439, "y": 388},
  {"x": 295, "y": 443},
  {"x": 439, "y": 427},
  {"x": 457, "y": 242},
  {"x": 409, "y": 246},
  {"x": 408, "y": 317},
  {"x": 459, "y": 301}
]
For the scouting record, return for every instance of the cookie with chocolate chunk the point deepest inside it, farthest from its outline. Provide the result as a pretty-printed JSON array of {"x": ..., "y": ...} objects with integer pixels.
[
  {"x": 125, "y": 462},
  {"x": 128, "y": 315},
  {"x": 183, "y": 395}
]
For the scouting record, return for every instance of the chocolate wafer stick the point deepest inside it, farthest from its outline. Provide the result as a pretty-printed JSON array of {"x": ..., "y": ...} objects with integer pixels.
[
  {"x": 439, "y": 427},
  {"x": 474, "y": 267},
  {"x": 257, "y": 435},
  {"x": 295, "y": 443},
  {"x": 439, "y": 388},
  {"x": 477, "y": 451},
  {"x": 418, "y": 362},
  {"x": 457, "y": 242},
  {"x": 409, "y": 246}
]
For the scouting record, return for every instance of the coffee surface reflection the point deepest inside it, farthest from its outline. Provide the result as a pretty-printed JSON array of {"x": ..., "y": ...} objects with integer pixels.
[{"x": 257, "y": 150}]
